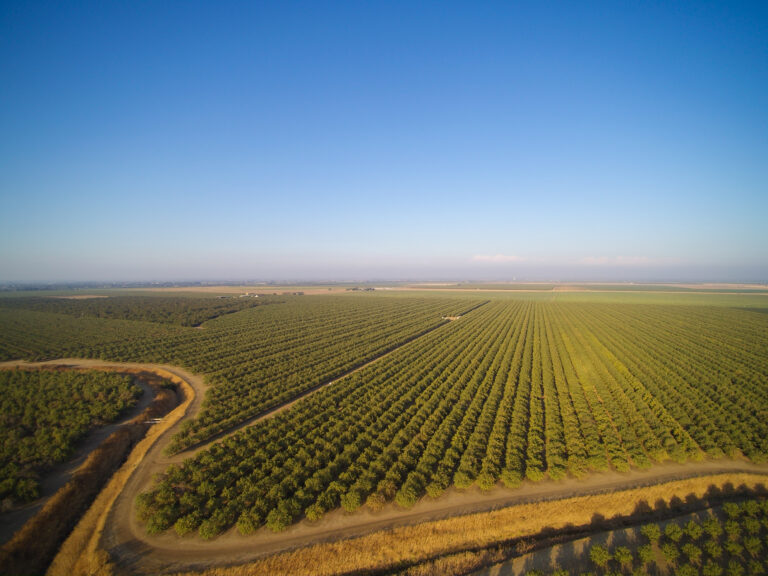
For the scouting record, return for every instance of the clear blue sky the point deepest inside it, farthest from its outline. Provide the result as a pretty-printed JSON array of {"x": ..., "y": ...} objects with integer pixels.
[{"x": 542, "y": 140}]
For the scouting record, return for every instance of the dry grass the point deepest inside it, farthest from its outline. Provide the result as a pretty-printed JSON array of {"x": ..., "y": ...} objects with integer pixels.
[
  {"x": 454, "y": 539},
  {"x": 461, "y": 563},
  {"x": 31, "y": 548},
  {"x": 80, "y": 553}
]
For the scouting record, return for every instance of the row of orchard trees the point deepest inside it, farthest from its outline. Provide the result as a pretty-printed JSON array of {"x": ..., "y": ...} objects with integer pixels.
[
  {"x": 733, "y": 542},
  {"x": 714, "y": 388},
  {"x": 356, "y": 433},
  {"x": 285, "y": 351},
  {"x": 254, "y": 360},
  {"x": 514, "y": 390}
]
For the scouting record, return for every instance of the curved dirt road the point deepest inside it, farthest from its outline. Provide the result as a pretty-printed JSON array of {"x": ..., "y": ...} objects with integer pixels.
[
  {"x": 169, "y": 552},
  {"x": 134, "y": 550}
]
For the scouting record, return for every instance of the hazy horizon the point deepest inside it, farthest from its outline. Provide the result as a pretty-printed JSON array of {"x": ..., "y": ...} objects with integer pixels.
[
  {"x": 391, "y": 141},
  {"x": 557, "y": 276}
]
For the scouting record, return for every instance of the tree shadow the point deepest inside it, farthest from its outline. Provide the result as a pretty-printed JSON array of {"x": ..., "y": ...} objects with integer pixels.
[
  {"x": 642, "y": 508},
  {"x": 570, "y": 556},
  {"x": 566, "y": 552}
]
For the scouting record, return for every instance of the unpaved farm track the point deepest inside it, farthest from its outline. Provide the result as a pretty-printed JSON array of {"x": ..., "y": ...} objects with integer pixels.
[
  {"x": 170, "y": 553},
  {"x": 137, "y": 553}
]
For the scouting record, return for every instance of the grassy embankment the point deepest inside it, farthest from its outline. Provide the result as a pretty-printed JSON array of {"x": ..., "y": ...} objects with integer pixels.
[{"x": 31, "y": 550}]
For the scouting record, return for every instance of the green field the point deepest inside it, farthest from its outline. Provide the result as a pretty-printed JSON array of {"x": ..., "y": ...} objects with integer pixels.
[
  {"x": 599, "y": 287},
  {"x": 255, "y": 359},
  {"x": 523, "y": 386},
  {"x": 513, "y": 390}
]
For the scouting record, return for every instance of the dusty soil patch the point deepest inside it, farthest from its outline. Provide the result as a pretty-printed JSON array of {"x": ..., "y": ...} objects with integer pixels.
[{"x": 81, "y": 297}]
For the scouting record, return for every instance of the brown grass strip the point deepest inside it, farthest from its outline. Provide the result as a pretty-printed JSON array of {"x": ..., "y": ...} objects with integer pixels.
[
  {"x": 33, "y": 547},
  {"x": 80, "y": 552}
]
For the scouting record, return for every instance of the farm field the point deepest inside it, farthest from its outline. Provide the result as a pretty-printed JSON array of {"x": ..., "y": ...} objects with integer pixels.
[
  {"x": 409, "y": 289},
  {"x": 418, "y": 396},
  {"x": 514, "y": 390},
  {"x": 626, "y": 287},
  {"x": 519, "y": 536},
  {"x": 253, "y": 360}
]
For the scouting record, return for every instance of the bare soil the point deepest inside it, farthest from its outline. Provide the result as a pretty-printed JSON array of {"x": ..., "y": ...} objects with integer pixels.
[{"x": 82, "y": 297}]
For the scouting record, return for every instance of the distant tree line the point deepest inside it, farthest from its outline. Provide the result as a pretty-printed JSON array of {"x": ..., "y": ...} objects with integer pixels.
[{"x": 169, "y": 310}]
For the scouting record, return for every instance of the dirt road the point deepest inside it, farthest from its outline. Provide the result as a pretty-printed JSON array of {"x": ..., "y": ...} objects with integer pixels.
[{"x": 169, "y": 552}]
